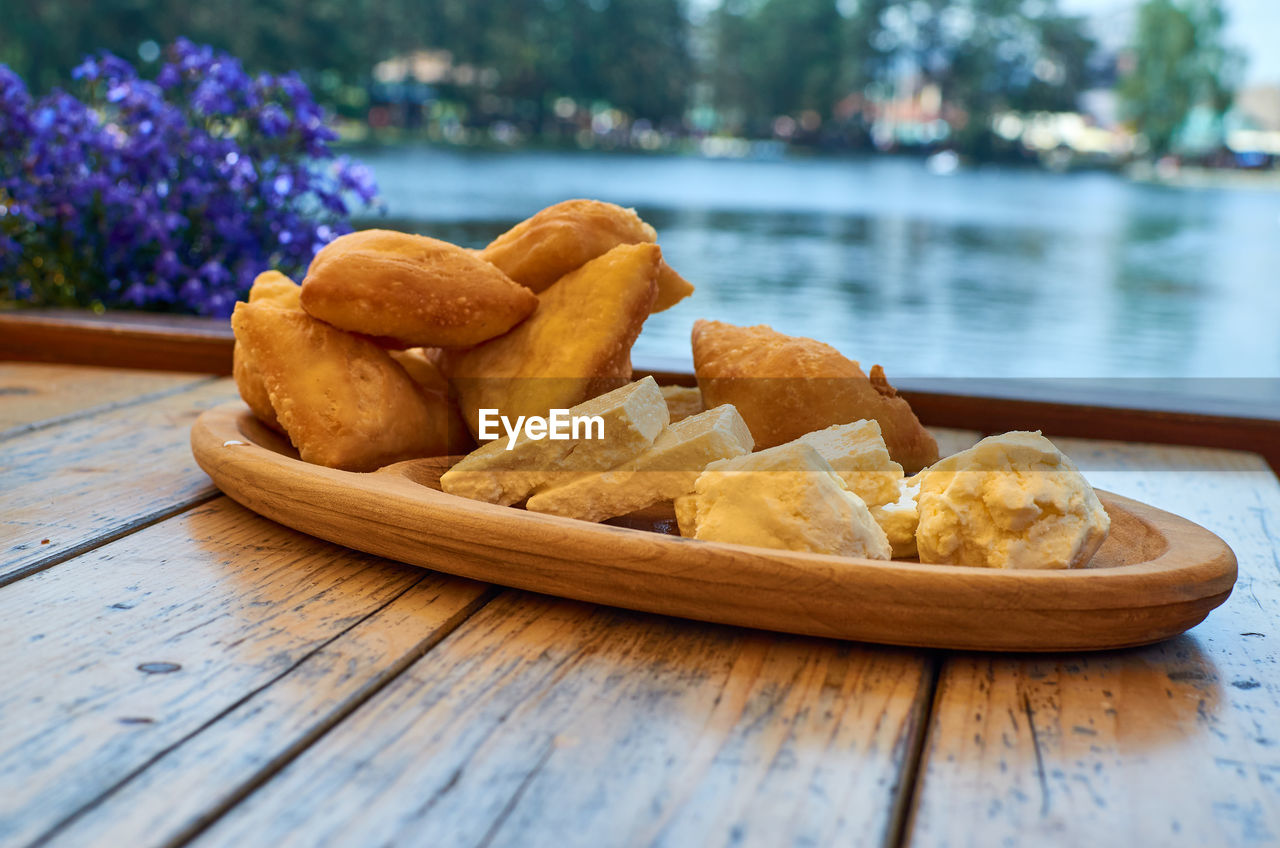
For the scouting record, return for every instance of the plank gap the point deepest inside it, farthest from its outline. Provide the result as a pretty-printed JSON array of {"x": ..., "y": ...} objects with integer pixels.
[
  {"x": 272, "y": 768},
  {"x": 71, "y": 417},
  {"x": 904, "y": 800},
  {"x": 297, "y": 747},
  {"x": 142, "y": 523}
]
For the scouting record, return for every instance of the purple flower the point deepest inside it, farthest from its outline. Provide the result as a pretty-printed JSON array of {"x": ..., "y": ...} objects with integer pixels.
[{"x": 170, "y": 194}]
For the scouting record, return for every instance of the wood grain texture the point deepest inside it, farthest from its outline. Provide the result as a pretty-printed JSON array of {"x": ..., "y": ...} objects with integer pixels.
[
  {"x": 150, "y": 682},
  {"x": 118, "y": 339},
  {"x": 34, "y": 394},
  {"x": 546, "y": 722},
  {"x": 1174, "y": 744},
  {"x": 204, "y": 345},
  {"x": 1181, "y": 421},
  {"x": 1155, "y": 576},
  {"x": 67, "y": 488}
]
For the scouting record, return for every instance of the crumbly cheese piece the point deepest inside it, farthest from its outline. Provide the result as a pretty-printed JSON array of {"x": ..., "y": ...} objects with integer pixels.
[
  {"x": 664, "y": 472},
  {"x": 898, "y": 519},
  {"x": 683, "y": 401},
  {"x": 785, "y": 497},
  {"x": 858, "y": 454},
  {"x": 1010, "y": 501},
  {"x": 686, "y": 507},
  {"x": 633, "y": 417}
]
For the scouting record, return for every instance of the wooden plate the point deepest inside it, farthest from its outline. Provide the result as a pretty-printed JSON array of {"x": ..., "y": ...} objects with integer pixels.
[{"x": 1156, "y": 576}]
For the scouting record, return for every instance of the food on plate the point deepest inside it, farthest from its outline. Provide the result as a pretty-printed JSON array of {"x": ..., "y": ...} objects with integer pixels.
[
  {"x": 858, "y": 454},
  {"x": 527, "y": 346},
  {"x": 786, "y": 386},
  {"x": 276, "y": 288},
  {"x": 898, "y": 518},
  {"x": 1010, "y": 501},
  {"x": 423, "y": 364},
  {"x": 412, "y": 290},
  {"x": 683, "y": 401},
  {"x": 663, "y": 472},
  {"x": 342, "y": 400},
  {"x": 785, "y": 497},
  {"x": 577, "y": 343},
  {"x": 506, "y": 470},
  {"x": 562, "y": 238}
]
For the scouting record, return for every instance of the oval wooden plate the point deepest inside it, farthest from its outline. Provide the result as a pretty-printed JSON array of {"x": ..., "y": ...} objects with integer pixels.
[{"x": 1156, "y": 576}]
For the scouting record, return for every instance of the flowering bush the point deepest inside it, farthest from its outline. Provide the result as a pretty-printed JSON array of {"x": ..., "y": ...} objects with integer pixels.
[{"x": 170, "y": 194}]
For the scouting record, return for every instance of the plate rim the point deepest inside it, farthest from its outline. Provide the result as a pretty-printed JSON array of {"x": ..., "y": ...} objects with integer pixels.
[{"x": 222, "y": 449}]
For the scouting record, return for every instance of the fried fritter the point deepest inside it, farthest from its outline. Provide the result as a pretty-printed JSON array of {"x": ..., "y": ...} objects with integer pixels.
[
  {"x": 414, "y": 290},
  {"x": 576, "y": 345},
  {"x": 786, "y": 386},
  {"x": 273, "y": 287},
  {"x": 561, "y": 238},
  {"x": 277, "y": 288},
  {"x": 342, "y": 400},
  {"x": 423, "y": 365}
]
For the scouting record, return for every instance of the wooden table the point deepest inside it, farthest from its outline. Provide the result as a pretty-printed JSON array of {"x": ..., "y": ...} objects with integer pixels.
[{"x": 177, "y": 670}]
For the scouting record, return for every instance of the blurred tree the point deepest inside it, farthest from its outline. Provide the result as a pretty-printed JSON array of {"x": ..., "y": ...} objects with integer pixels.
[
  {"x": 781, "y": 57},
  {"x": 800, "y": 55},
  {"x": 790, "y": 57},
  {"x": 733, "y": 54},
  {"x": 815, "y": 61},
  {"x": 987, "y": 56},
  {"x": 1178, "y": 61}
]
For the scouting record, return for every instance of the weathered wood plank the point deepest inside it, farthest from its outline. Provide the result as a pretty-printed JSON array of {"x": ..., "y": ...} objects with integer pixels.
[
  {"x": 34, "y": 394},
  {"x": 542, "y": 721},
  {"x": 67, "y": 488},
  {"x": 152, "y": 681},
  {"x": 119, "y": 338},
  {"x": 1175, "y": 744}
]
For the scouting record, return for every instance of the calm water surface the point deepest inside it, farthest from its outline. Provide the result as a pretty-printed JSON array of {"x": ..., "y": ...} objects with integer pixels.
[{"x": 987, "y": 272}]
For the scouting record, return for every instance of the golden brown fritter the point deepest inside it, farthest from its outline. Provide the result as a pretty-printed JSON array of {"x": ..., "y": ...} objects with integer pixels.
[
  {"x": 415, "y": 290},
  {"x": 273, "y": 287},
  {"x": 786, "y": 386},
  {"x": 561, "y": 238},
  {"x": 423, "y": 365},
  {"x": 342, "y": 400},
  {"x": 575, "y": 346}
]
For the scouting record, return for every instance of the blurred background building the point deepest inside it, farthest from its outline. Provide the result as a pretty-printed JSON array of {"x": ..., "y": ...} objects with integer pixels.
[{"x": 1067, "y": 83}]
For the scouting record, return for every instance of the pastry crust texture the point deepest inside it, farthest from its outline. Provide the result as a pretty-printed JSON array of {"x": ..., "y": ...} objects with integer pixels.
[
  {"x": 576, "y": 345},
  {"x": 786, "y": 386},
  {"x": 342, "y": 400},
  {"x": 562, "y": 238},
  {"x": 412, "y": 290},
  {"x": 275, "y": 288}
]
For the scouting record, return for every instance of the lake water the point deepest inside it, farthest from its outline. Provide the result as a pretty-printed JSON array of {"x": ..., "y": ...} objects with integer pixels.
[{"x": 988, "y": 272}]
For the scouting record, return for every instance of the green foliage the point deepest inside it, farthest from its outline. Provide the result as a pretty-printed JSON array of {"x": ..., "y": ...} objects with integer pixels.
[
  {"x": 752, "y": 60},
  {"x": 1178, "y": 62},
  {"x": 630, "y": 53},
  {"x": 780, "y": 57}
]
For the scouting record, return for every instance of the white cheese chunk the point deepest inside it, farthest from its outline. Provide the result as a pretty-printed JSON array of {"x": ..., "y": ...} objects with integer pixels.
[
  {"x": 858, "y": 454},
  {"x": 898, "y": 519},
  {"x": 663, "y": 472},
  {"x": 1010, "y": 501},
  {"x": 784, "y": 497},
  {"x": 633, "y": 416}
]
